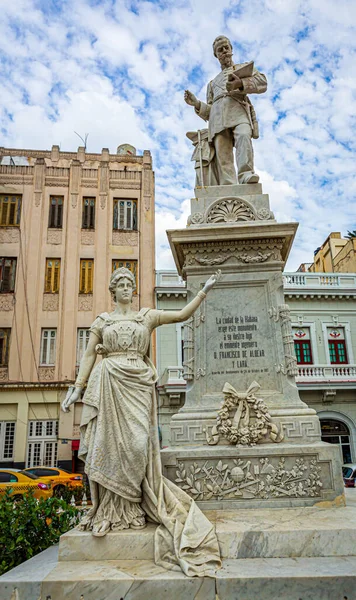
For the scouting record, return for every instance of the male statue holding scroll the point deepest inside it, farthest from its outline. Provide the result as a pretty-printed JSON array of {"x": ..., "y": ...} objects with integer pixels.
[{"x": 231, "y": 116}]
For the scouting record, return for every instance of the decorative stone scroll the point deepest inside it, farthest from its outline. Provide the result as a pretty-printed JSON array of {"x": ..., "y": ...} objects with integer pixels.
[
  {"x": 230, "y": 210},
  {"x": 245, "y": 258},
  {"x": 255, "y": 478},
  {"x": 243, "y": 419},
  {"x": 290, "y": 367}
]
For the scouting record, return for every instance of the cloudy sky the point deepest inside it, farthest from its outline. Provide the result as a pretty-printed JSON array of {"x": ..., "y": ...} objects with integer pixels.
[{"x": 117, "y": 69}]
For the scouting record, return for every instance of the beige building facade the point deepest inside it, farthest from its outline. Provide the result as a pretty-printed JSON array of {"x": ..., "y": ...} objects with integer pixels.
[
  {"x": 323, "y": 312},
  {"x": 335, "y": 255},
  {"x": 67, "y": 220}
]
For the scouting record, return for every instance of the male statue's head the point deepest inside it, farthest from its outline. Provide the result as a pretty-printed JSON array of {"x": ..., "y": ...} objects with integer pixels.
[{"x": 222, "y": 49}]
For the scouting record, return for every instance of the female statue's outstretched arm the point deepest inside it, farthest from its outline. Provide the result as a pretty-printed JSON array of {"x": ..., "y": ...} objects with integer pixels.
[
  {"x": 86, "y": 365},
  {"x": 176, "y": 316}
]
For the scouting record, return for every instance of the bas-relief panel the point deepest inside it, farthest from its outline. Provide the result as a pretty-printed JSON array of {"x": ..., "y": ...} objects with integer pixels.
[
  {"x": 9, "y": 235},
  {"x": 4, "y": 374},
  {"x": 87, "y": 237},
  {"x": 7, "y": 302},
  {"x": 50, "y": 302},
  {"x": 46, "y": 373},
  {"x": 85, "y": 302},
  {"x": 254, "y": 477},
  {"x": 125, "y": 238},
  {"x": 54, "y": 236},
  {"x": 239, "y": 337}
]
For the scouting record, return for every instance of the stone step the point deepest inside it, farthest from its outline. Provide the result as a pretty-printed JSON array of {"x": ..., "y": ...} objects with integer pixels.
[
  {"x": 255, "y": 533},
  {"x": 317, "y": 578}
]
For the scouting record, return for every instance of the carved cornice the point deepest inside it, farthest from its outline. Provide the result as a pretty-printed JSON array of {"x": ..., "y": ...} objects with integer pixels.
[
  {"x": 117, "y": 184},
  {"x": 56, "y": 182},
  {"x": 15, "y": 180}
]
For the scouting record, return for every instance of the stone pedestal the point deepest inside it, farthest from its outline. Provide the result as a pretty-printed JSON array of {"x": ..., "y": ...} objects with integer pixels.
[{"x": 242, "y": 334}]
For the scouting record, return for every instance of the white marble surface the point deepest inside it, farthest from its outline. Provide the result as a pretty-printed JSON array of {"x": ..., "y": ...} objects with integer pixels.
[
  {"x": 24, "y": 582},
  {"x": 287, "y": 579}
]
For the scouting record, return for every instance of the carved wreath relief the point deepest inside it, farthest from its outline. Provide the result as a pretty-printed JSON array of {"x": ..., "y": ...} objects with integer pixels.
[
  {"x": 243, "y": 419},
  {"x": 250, "y": 478}
]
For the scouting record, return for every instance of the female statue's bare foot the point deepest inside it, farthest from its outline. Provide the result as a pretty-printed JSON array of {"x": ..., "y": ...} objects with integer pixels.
[
  {"x": 101, "y": 528},
  {"x": 138, "y": 523}
]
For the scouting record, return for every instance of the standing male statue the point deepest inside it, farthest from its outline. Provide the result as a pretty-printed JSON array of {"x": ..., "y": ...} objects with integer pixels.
[{"x": 231, "y": 116}]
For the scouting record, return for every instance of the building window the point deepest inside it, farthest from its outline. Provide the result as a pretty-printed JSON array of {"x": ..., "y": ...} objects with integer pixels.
[
  {"x": 55, "y": 211},
  {"x": 53, "y": 274},
  {"x": 4, "y": 346},
  {"x": 302, "y": 345},
  {"x": 42, "y": 444},
  {"x": 82, "y": 342},
  {"x": 336, "y": 432},
  {"x": 125, "y": 214},
  {"x": 10, "y": 210},
  {"x": 7, "y": 439},
  {"x": 131, "y": 265},
  {"x": 48, "y": 347},
  {"x": 88, "y": 218},
  {"x": 86, "y": 276},
  {"x": 337, "y": 346},
  {"x": 7, "y": 274}
]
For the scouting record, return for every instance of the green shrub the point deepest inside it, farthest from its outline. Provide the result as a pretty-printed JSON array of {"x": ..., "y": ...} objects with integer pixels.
[
  {"x": 68, "y": 491},
  {"x": 29, "y": 526}
]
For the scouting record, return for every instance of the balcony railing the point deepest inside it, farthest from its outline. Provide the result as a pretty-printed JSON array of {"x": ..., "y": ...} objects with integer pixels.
[
  {"x": 319, "y": 280},
  {"x": 326, "y": 373}
]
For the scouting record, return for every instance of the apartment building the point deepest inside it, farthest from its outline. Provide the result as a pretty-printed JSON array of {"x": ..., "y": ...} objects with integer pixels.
[
  {"x": 67, "y": 220},
  {"x": 323, "y": 313}
]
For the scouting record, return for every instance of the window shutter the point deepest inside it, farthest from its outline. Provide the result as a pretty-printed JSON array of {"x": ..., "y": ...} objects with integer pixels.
[
  {"x": 56, "y": 276},
  {"x": 52, "y": 348},
  {"x": 82, "y": 277},
  {"x": 90, "y": 277},
  {"x": 92, "y": 214},
  {"x": 59, "y": 214},
  {"x": 134, "y": 216},
  {"x": 5, "y": 206},
  {"x": 122, "y": 215},
  {"x": 128, "y": 215},
  {"x": 48, "y": 279},
  {"x": 115, "y": 218},
  {"x": 6, "y": 278},
  {"x": 44, "y": 348}
]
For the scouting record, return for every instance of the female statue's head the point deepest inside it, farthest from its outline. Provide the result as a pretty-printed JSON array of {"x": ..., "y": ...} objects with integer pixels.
[{"x": 122, "y": 285}]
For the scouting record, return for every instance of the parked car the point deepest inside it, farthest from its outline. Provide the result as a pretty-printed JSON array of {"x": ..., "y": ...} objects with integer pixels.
[
  {"x": 58, "y": 478},
  {"x": 20, "y": 482},
  {"x": 349, "y": 474}
]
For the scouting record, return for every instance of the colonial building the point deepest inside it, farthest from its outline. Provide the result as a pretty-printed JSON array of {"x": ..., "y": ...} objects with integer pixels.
[
  {"x": 67, "y": 220},
  {"x": 323, "y": 312},
  {"x": 335, "y": 255}
]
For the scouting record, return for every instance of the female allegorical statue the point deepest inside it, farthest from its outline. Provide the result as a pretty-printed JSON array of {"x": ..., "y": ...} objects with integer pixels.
[{"x": 119, "y": 436}]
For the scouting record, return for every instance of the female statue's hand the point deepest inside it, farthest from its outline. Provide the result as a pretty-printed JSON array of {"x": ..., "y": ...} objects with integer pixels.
[
  {"x": 211, "y": 281},
  {"x": 73, "y": 395}
]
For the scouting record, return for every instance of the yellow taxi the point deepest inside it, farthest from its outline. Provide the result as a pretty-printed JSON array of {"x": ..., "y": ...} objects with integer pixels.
[
  {"x": 20, "y": 482},
  {"x": 58, "y": 478}
]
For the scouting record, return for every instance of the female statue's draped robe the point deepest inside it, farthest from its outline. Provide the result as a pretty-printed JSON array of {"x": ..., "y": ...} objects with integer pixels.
[{"x": 119, "y": 444}]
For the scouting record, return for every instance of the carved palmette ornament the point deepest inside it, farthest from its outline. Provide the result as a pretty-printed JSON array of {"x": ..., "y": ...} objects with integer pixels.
[
  {"x": 230, "y": 210},
  {"x": 243, "y": 419}
]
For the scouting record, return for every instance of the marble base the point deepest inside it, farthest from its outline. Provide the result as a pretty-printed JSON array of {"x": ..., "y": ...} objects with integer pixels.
[
  {"x": 263, "y": 476},
  {"x": 254, "y": 533},
  {"x": 245, "y": 579}
]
